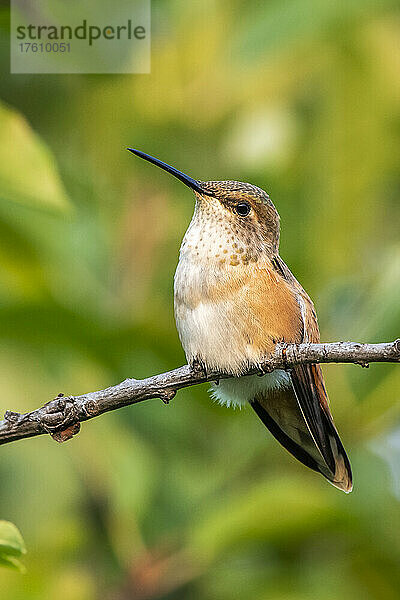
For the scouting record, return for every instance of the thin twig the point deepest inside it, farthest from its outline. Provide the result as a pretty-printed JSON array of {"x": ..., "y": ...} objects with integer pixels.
[{"x": 61, "y": 417}]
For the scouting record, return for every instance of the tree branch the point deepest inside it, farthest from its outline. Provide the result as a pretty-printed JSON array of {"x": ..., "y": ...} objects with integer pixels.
[{"x": 62, "y": 416}]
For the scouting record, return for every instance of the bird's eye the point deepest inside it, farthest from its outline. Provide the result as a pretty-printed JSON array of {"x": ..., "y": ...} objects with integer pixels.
[{"x": 242, "y": 209}]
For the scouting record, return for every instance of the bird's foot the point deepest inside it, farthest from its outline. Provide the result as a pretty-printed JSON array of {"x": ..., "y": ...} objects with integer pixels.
[
  {"x": 198, "y": 367},
  {"x": 264, "y": 369},
  {"x": 167, "y": 395}
]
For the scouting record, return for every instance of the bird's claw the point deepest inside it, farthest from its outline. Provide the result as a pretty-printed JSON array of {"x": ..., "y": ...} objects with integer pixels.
[
  {"x": 167, "y": 395},
  {"x": 264, "y": 369},
  {"x": 198, "y": 367}
]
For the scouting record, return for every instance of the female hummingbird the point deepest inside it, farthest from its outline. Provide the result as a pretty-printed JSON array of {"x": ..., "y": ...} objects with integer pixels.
[{"x": 235, "y": 299}]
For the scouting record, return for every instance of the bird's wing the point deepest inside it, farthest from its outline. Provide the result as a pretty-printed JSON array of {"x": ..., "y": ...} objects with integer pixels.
[{"x": 299, "y": 416}]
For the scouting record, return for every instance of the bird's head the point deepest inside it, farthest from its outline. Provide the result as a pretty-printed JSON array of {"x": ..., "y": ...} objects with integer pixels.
[{"x": 243, "y": 208}]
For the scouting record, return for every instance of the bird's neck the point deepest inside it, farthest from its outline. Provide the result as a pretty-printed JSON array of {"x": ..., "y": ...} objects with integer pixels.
[{"x": 213, "y": 239}]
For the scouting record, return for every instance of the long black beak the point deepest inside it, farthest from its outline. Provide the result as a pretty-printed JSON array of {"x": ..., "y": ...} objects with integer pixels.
[{"x": 192, "y": 183}]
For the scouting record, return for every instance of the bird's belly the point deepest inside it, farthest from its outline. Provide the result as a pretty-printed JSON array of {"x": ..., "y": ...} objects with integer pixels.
[
  {"x": 216, "y": 329},
  {"x": 230, "y": 318},
  {"x": 225, "y": 331},
  {"x": 210, "y": 334}
]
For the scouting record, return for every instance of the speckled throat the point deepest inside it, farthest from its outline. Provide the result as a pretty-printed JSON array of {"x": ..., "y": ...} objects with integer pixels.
[{"x": 217, "y": 236}]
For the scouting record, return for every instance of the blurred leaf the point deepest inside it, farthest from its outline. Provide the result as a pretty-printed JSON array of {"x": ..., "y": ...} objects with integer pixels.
[
  {"x": 28, "y": 173},
  {"x": 12, "y": 563},
  {"x": 11, "y": 541},
  {"x": 11, "y": 546}
]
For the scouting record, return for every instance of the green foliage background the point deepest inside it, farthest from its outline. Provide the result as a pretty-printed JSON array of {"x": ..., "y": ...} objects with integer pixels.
[{"x": 195, "y": 500}]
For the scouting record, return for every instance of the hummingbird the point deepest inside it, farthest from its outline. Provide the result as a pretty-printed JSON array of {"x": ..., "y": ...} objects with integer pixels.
[{"x": 235, "y": 299}]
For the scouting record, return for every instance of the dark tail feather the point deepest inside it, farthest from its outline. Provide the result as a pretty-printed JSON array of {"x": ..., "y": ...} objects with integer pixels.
[
  {"x": 290, "y": 445},
  {"x": 282, "y": 415},
  {"x": 309, "y": 387}
]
